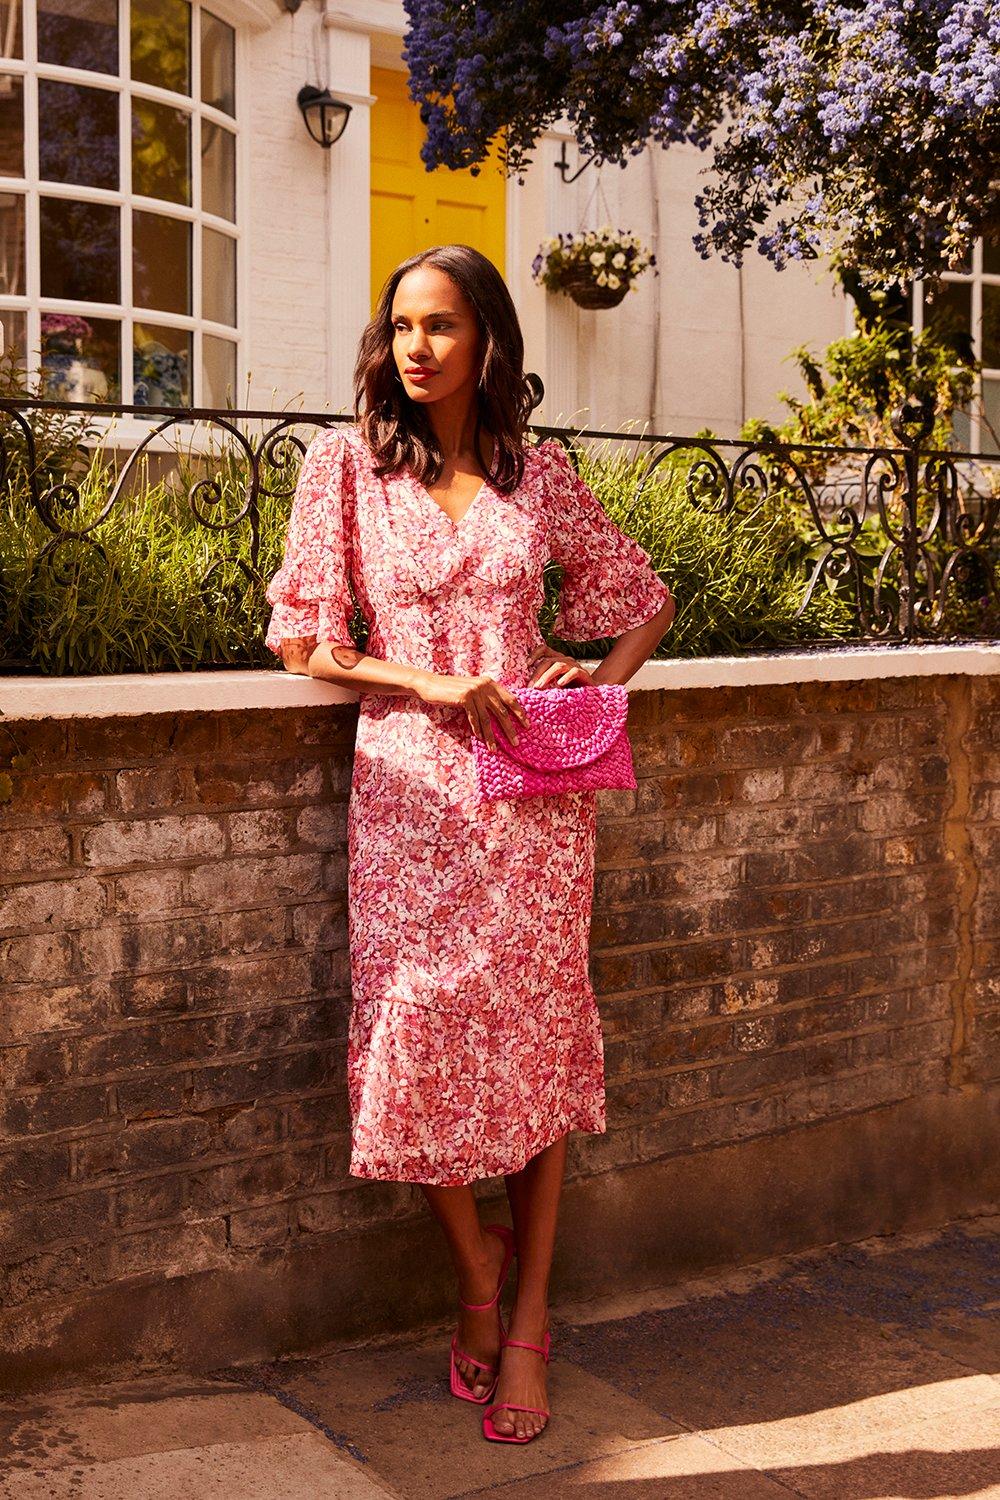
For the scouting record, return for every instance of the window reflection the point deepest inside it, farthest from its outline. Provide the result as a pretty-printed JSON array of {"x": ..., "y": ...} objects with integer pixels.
[
  {"x": 80, "y": 358},
  {"x": 11, "y": 125},
  {"x": 991, "y": 255},
  {"x": 990, "y": 442},
  {"x": 161, "y": 262},
  {"x": 11, "y": 39},
  {"x": 161, "y": 151},
  {"x": 161, "y": 44},
  {"x": 218, "y": 277},
  {"x": 218, "y": 170},
  {"x": 991, "y": 326},
  {"x": 15, "y": 337},
  {"x": 12, "y": 244},
  {"x": 161, "y": 366},
  {"x": 80, "y": 250},
  {"x": 218, "y": 63},
  {"x": 218, "y": 371},
  {"x": 79, "y": 34},
  {"x": 948, "y": 310},
  {"x": 78, "y": 134}
]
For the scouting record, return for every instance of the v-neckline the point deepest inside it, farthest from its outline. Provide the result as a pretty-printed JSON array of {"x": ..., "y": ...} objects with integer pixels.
[{"x": 455, "y": 525}]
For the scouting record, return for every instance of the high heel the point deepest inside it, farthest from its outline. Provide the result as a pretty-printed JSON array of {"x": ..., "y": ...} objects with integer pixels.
[
  {"x": 489, "y": 1431},
  {"x": 459, "y": 1387}
]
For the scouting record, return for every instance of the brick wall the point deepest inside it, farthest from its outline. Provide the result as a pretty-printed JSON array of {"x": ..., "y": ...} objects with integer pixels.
[{"x": 796, "y": 945}]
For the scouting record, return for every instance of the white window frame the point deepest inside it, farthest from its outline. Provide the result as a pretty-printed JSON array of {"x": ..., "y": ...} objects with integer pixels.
[
  {"x": 32, "y": 305},
  {"x": 977, "y": 278}
]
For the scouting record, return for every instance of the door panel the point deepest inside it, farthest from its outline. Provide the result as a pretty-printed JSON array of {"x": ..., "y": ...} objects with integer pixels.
[{"x": 412, "y": 208}]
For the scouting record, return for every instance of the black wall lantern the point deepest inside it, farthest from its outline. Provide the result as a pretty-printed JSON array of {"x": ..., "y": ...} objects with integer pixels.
[{"x": 325, "y": 116}]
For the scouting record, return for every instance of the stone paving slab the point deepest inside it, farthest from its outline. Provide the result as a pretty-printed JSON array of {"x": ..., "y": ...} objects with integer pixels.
[
  {"x": 425, "y": 1442},
  {"x": 860, "y": 1372},
  {"x": 169, "y": 1438}
]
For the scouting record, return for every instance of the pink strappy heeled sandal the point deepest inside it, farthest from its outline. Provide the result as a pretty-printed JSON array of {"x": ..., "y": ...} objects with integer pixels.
[
  {"x": 458, "y": 1385},
  {"x": 489, "y": 1431}
]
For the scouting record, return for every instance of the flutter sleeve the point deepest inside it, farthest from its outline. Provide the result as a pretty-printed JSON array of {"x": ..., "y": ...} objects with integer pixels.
[
  {"x": 609, "y": 582},
  {"x": 310, "y": 593}
]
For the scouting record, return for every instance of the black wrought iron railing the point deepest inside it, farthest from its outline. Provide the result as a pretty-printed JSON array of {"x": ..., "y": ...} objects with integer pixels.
[{"x": 904, "y": 530}]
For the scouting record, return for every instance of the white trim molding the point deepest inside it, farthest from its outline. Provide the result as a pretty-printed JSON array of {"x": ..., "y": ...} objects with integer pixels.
[{"x": 129, "y": 693}]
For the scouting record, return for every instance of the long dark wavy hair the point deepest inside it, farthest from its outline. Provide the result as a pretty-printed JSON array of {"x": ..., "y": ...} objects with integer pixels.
[{"x": 396, "y": 429}]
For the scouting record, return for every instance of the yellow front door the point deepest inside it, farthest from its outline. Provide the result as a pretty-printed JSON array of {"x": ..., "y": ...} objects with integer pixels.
[{"x": 412, "y": 208}]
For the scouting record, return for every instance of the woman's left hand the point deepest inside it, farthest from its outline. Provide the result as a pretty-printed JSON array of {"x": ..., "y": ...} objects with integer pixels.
[{"x": 552, "y": 668}]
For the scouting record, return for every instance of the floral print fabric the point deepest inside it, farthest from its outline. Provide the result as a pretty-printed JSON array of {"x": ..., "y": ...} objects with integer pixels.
[{"x": 475, "y": 1038}]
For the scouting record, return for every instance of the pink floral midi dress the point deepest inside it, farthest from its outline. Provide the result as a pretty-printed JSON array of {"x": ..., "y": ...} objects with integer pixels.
[{"x": 474, "y": 1036}]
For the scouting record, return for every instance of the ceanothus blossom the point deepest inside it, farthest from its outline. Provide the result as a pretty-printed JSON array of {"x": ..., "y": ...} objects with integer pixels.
[{"x": 868, "y": 130}]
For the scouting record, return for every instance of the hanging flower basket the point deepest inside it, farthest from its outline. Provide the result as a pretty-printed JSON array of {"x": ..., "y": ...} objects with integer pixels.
[
  {"x": 596, "y": 268},
  {"x": 578, "y": 283}
]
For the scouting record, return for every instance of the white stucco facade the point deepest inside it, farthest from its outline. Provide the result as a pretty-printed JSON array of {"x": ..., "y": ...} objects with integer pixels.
[{"x": 700, "y": 344}]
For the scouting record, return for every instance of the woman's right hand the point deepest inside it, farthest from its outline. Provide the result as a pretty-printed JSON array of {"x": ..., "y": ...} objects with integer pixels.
[{"x": 480, "y": 697}]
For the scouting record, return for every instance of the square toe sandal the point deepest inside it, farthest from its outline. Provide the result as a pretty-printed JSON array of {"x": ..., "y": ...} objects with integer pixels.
[
  {"x": 489, "y": 1431},
  {"x": 458, "y": 1385}
]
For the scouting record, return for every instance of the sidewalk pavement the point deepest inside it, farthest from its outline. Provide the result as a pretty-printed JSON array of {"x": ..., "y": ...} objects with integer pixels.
[{"x": 865, "y": 1372}]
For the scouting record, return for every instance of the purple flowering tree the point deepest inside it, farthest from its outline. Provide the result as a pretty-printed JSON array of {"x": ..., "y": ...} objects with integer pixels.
[{"x": 866, "y": 131}]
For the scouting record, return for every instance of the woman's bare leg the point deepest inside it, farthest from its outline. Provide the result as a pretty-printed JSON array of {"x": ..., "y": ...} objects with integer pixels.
[
  {"x": 534, "y": 1195},
  {"x": 477, "y": 1258}
]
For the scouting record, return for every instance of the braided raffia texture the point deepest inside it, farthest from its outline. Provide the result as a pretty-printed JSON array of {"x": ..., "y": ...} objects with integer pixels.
[{"x": 576, "y": 741}]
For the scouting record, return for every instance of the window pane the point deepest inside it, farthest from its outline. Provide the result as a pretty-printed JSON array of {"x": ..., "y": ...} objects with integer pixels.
[
  {"x": 11, "y": 244},
  {"x": 161, "y": 262},
  {"x": 218, "y": 277},
  {"x": 161, "y": 151},
  {"x": 161, "y": 43},
  {"x": 948, "y": 310},
  {"x": 161, "y": 366},
  {"x": 79, "y": 34},
  {"x": 80, "y": 359},
  {"x": 218, "y": 170},
  {"x": 11, "y": 44},
  {"x": 79, "y": 250},
  {"x": 15, "y": 337},
  {"x": 961, "y": 430},
  {"x": 991, "y": 326},
  {"x": 991, "y": 255},
  {"x": 11, "y": 125},
  {"x": 218, "y": 63},
  {"x": 990, "y": 441},
  {"x": 78, "y": 134},
  {"x": 218, "y": 372}
]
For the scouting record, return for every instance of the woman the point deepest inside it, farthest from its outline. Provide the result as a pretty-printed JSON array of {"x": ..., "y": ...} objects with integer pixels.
[{"x": 475, "y": 1042}]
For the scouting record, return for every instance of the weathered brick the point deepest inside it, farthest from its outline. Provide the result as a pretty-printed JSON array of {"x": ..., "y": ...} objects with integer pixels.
[
  {"x": 261, "y": 831},
  {"x": 150, "y": 787},
  {"x": 152, "y": 841},
  {"x": 34, "y": 851},
  {"x": 46, "y": 956},
  {"x": 151, "y": 1199},
  {"x": 251, "y": 1227},
  {"x": 29, "y": 1114},
  {"x": 142, "y": 1146},
  {"x": 148, "y": 894},
  {"x": 34, "y": 1009},
  {"x": 61, "y": 904},
  {"x": 82, "y": 1216},
  {"x": 260, "y": 1177},
  {"x": 254, "y": 882}
]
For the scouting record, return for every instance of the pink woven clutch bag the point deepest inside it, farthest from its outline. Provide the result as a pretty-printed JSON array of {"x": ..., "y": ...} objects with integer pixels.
[{"x": 576, "y": 741}]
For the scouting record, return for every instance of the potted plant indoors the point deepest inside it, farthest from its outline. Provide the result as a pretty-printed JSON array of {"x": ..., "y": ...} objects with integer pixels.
[{"x": 595, "y": 267}]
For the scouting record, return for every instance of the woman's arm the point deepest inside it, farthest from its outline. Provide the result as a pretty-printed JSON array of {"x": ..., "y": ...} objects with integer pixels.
[
  {"x": 351, "y": 668},
  {"x": 635, "y": 646}
]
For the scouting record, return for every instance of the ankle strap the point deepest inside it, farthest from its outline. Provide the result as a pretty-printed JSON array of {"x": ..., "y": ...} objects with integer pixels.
[
  {"x": 479, "y": 1306},
  {"x": 523, "y": 1344}
]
